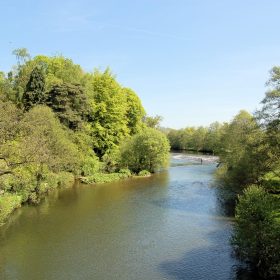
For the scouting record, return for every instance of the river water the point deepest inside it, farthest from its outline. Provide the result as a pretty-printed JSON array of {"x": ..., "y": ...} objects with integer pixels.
[{"x": 167, "y": 226}]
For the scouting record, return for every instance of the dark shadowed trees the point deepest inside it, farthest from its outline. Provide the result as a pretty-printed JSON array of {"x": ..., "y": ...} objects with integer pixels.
[{"x": 35, "y": 89}]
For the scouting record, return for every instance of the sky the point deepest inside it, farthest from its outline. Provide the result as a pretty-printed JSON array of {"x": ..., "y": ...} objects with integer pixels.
[{"x": 192, "y": 62}]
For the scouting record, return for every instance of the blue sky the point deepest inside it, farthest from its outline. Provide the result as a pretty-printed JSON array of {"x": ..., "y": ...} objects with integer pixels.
[{"x": 191, "y": 61}]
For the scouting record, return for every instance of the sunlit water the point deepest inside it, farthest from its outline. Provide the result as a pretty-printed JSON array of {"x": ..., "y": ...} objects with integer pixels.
[{"x": 167, "y": 226}]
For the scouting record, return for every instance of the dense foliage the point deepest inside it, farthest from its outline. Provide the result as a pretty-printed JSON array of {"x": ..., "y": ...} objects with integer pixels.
[
  {"x": 58, "y": 122},
  {"x": 35, "y": 89},
  {"x": 147, "y": 150},
  {"x": 257, "y": 229},
  {"x": 199, "y": 139}
]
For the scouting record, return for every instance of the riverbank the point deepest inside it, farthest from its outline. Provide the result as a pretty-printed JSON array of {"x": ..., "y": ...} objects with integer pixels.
[{"x": 9, "y": 202}]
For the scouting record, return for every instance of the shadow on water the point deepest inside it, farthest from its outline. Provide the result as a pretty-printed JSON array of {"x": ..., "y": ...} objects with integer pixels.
[{"x": 205, "y": 262}]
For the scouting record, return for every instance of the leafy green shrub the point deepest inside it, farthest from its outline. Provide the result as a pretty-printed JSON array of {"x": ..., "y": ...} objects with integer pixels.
[
  {"x": 65, "y": 179},
  {"x": 34, "y": 198},
  {"x": 125, "y": 171},
  {"x": 144, "y": 173},
  {"x": 90, "y": 165},
  {"x": 8, "y": 203},
  {"x": 105, "y": 177},
  {"x": 147, "y": 150},
  {"x": 49, "y": 182},
  {"x": 23, "y": 182},
  {"x": 53, "y": 180},
  {"x": 271, "y": 182},
  {"x": 111, "y": 160}
]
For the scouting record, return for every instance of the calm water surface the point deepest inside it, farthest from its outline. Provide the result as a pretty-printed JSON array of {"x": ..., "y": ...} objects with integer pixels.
[{"x": 167, "y": 226}]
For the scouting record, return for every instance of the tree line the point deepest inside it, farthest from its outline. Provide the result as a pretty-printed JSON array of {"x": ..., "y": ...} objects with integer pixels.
[
  {"x": 59, "y": 122},
  {"x": 249, "y": 150}
]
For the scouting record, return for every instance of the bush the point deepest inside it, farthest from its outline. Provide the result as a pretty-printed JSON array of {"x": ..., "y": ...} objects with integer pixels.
[
  {"x": 8, "y": 203},
  {"x": 105, "y": 178},
  {"x": 23, "y": 182},
  {"x": 256, "y": 235},
  {"x": 90, "y": 165},
  {"x": 111, "y": 160},
  {"x": 144, "y": 173},
  {"x": 147, "y": 150},
  {"x": 125, "y": 171},
  {"x": 271, "y": 182},
  {"x": 65, "y": 179}
]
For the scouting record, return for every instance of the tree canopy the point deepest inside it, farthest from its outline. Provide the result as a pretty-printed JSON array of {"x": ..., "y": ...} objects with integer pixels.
[
  {"x": 57, "y": 119},
  {"x": 147, "y": 150}
]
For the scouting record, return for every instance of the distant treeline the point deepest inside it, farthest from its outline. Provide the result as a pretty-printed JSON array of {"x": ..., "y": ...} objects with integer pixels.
[{"x": 198, "y": 139}]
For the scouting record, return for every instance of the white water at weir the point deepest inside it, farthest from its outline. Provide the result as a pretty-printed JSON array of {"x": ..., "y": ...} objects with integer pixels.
[{"x": 193, "y": 158}]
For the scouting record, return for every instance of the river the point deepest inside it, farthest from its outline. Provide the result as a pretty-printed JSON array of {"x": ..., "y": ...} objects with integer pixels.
[{"x": 167, "y": 226}]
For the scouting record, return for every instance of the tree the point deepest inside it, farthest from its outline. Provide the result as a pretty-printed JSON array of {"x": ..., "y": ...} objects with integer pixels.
[
  {"x": 70, "y": 104},
  {"x": 60, "y": 69},
  {"x": 213, "y": 138},
  {"x": 57, "y": 70},
  {"x": 135, "y": 111},
  {"x": 6, "y": 88},
  {"x": 240, "y": 150},
  {"x": 269, "y": 115},
  {"x": 22, "y": 55},
  {"x": 9, "y": 128},
  {"x": 9, "y": 119},
  {"x": 198, "y": 138},
  {"x": 34, "y": 153},
  {"x": 256, "y": 234},
  {"x": 269, "y": 118},
  {"x": 44, "y": 140},
  {"x": 174, "y": 139},
  {"x": 109, "y": 112},
  {"x": 147, "y": 150},
  {"x": 153, "y": 122},
  {"x": 35, "y": 89}
]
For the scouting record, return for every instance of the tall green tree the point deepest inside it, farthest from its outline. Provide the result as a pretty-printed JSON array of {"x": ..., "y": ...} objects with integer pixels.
[
  {"x": 22, "y": 55},
  {"x": 43, "y": 140},
  {"x": 213, "y": 138},
  {"x": 135, "y": 111},
  {"x": 70, "y": 104},
  {"x": 57, "y": 69},
  {"x": 109, "y": 112},
  {"x": 35, "y": 89},
  {"x": 269, "y": 118},
  {"x": 10, "y": 117},
  {"x": 7, "y": 92},
  {"x": 240, "y": 139}
]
